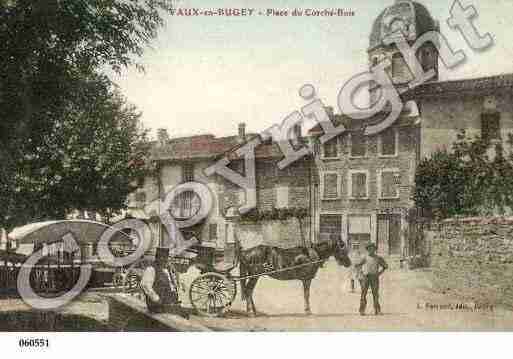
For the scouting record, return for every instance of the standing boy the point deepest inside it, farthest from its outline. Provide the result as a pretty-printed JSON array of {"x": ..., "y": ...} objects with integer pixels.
[{"x": 373, "y": 267}]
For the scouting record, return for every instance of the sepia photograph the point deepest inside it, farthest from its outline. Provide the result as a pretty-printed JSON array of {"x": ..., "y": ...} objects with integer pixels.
[{"x": 254, "y": 166}]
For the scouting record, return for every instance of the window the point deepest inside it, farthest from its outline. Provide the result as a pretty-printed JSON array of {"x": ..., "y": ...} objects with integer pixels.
[
  {"x": 237, "y": 165},
  {"x": 397, "y": 64},
  {"x": 212, "y": 232},
  {"x": 282, "y": 196},
  {"x": 359, "y": 230},
  {"x": 388, "y": 142},
  {"x": 330, "y": 227},
  {"x": 330, "y": 186},
  {"x": 140, "y": 197},
  {"x": 399, "y": 67},
  {"x": 389, "y": 181},
  {"x": 358, "y": 144},
  {"x": 358, "y": 184},
  {"x": 330, "y": 148},
  {"x": 188, "y": 172},
  {"x": 427, "y": 59},
  {"x": 185, "y": 205},
  {"x": 491, "y": 126}
]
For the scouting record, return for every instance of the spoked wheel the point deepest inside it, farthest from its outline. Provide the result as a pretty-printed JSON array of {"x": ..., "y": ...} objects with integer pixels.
[{"x": 212, "y": 293}]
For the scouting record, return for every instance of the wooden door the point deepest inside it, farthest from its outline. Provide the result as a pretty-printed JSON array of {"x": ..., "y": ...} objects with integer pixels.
[{"x": 389, "y": 234}]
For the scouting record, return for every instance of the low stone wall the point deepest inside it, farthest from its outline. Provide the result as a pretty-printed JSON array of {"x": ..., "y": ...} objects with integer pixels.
[
  {"x": 128, "y": 314},
  {"x": 473, "y": 258}
]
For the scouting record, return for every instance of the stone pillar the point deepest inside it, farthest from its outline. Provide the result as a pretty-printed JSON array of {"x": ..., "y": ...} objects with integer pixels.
[
  {"x": 345, "y": 235},
  {"x": 374, "y": 228},
  {"x": 404, "y": 227}
]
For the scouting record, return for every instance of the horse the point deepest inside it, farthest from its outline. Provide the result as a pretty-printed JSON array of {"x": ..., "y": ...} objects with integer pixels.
[{"x": 261, "y": 259}]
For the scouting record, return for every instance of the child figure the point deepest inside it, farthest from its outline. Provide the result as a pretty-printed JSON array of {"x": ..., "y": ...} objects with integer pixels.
[{"x": 356, "y": 271}]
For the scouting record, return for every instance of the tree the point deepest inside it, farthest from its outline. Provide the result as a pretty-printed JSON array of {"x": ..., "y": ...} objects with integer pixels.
[
  {"x": 52, "y": 55},
  {"x": 476, "y": 178},
  {"x": 440, "y": 185},
  {"x": 89, "y": 161}
]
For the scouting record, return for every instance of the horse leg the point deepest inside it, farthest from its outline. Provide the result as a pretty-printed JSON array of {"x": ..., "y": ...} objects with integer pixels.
[
  {"x": 306, "y": 290},
  {"x": 243, "y": 272},
  {"x": 250, "y": 304}
]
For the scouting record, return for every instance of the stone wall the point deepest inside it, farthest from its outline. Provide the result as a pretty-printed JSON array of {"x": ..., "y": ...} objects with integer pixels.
[
  {"x": 473, "y": 258},
  {"x": 295, "y": 177},
  {"x": 284, "y": 234},
  {"x": 443, "y": 117},
  {"x": 129, "y": 314}
]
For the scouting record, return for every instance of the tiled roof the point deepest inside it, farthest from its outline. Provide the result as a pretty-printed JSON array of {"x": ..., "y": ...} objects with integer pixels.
[
  {"x": 194, "y": 147},
  {"x": 477, "y": 85},
  {"x": 266, "y": 150},
  {"x": 351, "y": 124},
  {"x": 209, "y": 147}
]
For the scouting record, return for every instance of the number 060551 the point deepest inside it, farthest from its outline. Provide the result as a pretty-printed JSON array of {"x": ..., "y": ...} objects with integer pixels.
[{"x": 33, "y": 343}]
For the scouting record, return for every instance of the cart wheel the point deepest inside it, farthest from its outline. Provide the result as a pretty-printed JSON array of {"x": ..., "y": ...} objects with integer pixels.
[
  {"x": 212, "y": 293},
  {"x": 131, "y": 282}
]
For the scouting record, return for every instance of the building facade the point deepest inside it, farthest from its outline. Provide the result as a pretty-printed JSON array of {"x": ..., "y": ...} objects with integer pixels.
[
  {"x": 366, "y": 182},
  {"x": 182, "y": 160},
  {"x": 356, "y": 188},
  {"x": 365, "y": 185}
]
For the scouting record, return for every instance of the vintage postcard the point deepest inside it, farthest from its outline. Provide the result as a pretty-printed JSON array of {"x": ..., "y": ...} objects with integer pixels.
[{"x": 234, "y": 165}]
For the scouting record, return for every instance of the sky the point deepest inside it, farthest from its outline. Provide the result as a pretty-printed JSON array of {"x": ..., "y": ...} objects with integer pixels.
[{"x": 208, "y": 74}]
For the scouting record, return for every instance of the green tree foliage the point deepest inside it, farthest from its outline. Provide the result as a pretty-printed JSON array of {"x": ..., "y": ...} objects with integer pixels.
[
  {"x": 56, "y": 104},
  {"x": 439, "y": 185},
  {"x": 475, "y": 178},
  {"x": 90, "y": 160}
]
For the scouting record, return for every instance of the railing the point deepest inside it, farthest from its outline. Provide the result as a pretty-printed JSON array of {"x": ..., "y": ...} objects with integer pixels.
[
  {"x": 8, "y": 278},
  {"x": 43, "y": 279}
]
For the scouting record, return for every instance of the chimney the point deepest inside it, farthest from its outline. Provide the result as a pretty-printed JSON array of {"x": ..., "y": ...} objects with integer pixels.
[
  {"x": 242, "y": 132},
  {"x": 162, "y": 137}
]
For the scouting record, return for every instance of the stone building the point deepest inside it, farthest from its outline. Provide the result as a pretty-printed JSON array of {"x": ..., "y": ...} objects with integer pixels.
[
  {"x": 180, "y": 160},
  {"x": 366, "y": 182},
  {"x": 177, "y": 161},
  {"x": 284, "y": 198},
  {"x": 355, "y": 187}
]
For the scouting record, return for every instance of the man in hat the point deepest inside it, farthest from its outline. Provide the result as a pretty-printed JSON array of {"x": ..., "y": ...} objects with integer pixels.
[
  {"x": 160, "y": 285},
  {"x": 372, "y": 267}
]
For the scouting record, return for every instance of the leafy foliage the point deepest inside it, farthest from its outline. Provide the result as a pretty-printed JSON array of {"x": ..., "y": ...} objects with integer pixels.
[
  {"x": 275, "y": 214},
  {"x": 476, "y": 178},
  {"x": 68, "y": 140},
  {"x": 440, "y": 184}
]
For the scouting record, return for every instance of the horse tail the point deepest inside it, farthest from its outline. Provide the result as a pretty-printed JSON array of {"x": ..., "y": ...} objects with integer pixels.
[{"x": 242, "y": 273}]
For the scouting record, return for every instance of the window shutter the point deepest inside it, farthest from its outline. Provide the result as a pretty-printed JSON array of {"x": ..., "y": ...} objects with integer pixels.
[
  {"x": 188, "y": 172},
  {"x": 331, "y": 148},
  {"x": 388, "y": 142},
  {"x": 490, "y": 126},
  {"x": 212, "y": 229},
  {"x": 359, "y": 185},
  {"x": 330, "y": 185},
  {"x": 358, "y": 144}
]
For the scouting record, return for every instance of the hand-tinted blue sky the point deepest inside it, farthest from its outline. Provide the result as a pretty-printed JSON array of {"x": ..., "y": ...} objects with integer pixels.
[{"x": 207, "y": 74}]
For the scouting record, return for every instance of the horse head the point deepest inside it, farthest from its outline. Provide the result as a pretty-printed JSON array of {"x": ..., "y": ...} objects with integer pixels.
[{"x": 341, "y": 253}]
